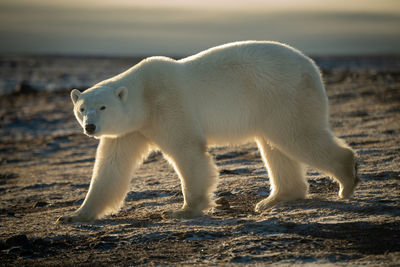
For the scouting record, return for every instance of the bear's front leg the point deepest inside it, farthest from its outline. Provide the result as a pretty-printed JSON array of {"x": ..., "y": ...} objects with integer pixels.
[
  {"x": 198, "y": 175},
  {"x": 115, "y": 161}
]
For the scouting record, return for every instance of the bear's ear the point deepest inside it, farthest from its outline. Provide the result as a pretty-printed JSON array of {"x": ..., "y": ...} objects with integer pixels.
[
  {"x": 75, "y": 95},
  {"x": 122, "y": 93}
]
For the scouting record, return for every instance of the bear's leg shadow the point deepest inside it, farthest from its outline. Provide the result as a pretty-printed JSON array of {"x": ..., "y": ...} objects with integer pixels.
[
  {"x": 115, "y": 162},
  {"x": 287, "y": 177},
  {"x": 198, "y": 174}
]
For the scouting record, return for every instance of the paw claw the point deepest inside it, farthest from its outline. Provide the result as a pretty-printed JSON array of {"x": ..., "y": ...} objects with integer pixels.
[
  {"x": 71, "y": 219},
  {"x": 265, "y": 204},
  {"x": 64, "y": 220}
]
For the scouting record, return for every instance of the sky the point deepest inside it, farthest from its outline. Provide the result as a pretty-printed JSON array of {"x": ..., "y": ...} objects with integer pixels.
[{"x": 179, "y": 27}]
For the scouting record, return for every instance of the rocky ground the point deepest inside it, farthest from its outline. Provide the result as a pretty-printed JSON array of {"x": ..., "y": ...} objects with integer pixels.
[{"x": 46, "y": 164}]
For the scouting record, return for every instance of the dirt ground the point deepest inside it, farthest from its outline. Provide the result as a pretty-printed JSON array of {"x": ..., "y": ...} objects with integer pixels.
[{"x": 46, "y": 164}]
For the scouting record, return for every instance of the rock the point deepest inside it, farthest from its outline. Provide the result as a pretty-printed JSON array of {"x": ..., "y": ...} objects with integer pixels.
[
  {"x": 40, "y": 242},
  {"x": 235, "y": 171},
  {"x": 8, "y": 175},
  {"x": 226, "y": 194},
  {"x": 222, "y": 203},
  {"x": 24, "y": 88},
  {"x": 17, "y": 240},
  {"x": 40, "y": 204},
  {"x": 104, "y": 245},
  {"x": 3, "y": 245},
  {"x": 14, "y": 251}
]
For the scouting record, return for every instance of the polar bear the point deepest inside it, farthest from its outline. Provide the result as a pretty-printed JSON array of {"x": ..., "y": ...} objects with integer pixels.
[{"x": 238, "y": 92}]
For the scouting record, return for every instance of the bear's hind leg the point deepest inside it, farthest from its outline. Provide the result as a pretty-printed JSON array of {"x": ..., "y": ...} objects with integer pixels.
[
  {"x": 198, "y": 174},
  {"x": 287, "y": 177},
  {"x": 323, "y": 151}
]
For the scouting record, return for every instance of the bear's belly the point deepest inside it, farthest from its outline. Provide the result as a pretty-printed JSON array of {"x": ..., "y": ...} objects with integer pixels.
[{"x": 227, "y": 125}]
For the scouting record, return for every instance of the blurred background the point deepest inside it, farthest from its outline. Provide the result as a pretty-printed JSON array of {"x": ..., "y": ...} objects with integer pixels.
[
  {"x": 56, "y": 45},
  {"x": 181, "y": 27}
]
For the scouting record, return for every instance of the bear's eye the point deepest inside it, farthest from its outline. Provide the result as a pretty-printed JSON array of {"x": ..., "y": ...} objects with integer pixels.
[
  {"x": 82, "y": 109},
  {"x": 102, "y": 107}
]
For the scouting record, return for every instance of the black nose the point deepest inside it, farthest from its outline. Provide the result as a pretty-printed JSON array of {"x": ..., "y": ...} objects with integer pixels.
[{"x": 90, "y": 128}]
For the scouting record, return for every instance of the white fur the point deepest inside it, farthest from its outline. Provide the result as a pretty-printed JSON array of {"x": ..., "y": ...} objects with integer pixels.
[{"x": 263, "y": 91}]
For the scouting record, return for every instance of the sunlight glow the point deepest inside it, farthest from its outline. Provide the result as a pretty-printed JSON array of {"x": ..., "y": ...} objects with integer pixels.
[
  {"x": 386, "y": 6},
  {"x": 181, "y": 26}
]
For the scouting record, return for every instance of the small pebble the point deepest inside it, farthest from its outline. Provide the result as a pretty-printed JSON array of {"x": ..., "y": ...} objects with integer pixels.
[
  {"x": 40, "y": 204},
  {"x": 222, "y": 203}
]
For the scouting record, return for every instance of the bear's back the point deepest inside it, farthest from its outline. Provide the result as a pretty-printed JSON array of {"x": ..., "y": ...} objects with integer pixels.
[{"x": 246, "y": 52}]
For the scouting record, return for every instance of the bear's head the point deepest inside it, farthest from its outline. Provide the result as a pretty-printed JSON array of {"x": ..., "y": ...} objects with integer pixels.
[{"x": 103, "y": 111}]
